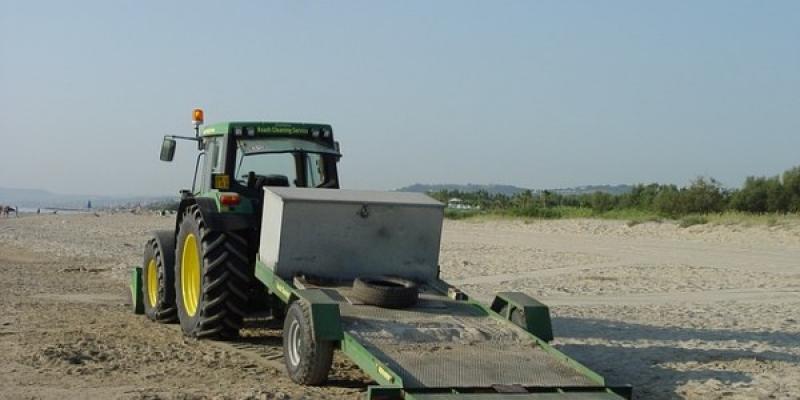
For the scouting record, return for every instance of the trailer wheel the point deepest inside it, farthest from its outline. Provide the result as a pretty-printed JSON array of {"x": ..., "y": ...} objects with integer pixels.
[
  {"x": 386, "y": 291},
  {"x": 308, "y": 359},
  {"x": 158, "y": 281},
  {"x": 212, "y": 277}
]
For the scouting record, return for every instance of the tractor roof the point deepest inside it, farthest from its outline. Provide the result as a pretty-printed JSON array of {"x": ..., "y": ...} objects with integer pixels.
[{"x": 266, "y": 128}]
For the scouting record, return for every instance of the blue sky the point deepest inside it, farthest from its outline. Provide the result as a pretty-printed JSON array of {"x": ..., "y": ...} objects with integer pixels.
[{"x": 531, "y": 93}]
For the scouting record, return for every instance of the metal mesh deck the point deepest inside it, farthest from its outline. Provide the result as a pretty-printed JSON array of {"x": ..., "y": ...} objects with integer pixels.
[{"x": 445, "y": 343}]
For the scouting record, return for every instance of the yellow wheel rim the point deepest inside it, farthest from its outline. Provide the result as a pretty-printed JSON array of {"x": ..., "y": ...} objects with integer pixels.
[
  {"x": 152, "y": 282},
  {"x": 190, "y": 275}
]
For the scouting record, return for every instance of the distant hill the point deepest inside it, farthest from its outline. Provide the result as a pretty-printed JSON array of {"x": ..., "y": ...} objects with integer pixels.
[
  {"x": 507, "y": 190},
  {"x": 610, "y": 189},
  {"x": 37, "y": 198},
  {"x": 510, "y": 190}
]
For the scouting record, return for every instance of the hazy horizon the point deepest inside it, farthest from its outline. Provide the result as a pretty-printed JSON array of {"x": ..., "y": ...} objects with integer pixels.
[{"x": 531, "y": 94}]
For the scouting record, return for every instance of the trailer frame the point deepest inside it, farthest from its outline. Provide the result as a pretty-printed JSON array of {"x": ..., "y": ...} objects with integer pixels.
[{"x": 326, "y": 323}]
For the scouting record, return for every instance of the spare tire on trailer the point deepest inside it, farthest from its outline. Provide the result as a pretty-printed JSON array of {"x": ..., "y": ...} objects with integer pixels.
[{"x": 386, "y": 291}]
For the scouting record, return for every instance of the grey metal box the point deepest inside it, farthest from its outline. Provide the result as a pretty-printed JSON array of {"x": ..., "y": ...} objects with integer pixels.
[{"x": 343, "y": 234}]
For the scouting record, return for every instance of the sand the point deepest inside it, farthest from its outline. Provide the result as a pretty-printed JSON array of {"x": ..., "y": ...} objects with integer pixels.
[{"x": 705, "y": 312}]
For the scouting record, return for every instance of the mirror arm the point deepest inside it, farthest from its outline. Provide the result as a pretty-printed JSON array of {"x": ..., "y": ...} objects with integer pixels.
[
  {"x": 196, "y": 167},
  {"x": 196, "y": 139}
]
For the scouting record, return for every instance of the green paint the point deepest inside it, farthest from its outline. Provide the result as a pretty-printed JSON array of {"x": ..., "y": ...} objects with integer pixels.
[
  {"x": 368, "y": 363},
  {"x": 537, "y": 315},
  {"x": 275, "y": 284},
  {"x": 137, "y": 297},
  {"x": 549, "y": 349},
  {"x": 325, "y": 317}
]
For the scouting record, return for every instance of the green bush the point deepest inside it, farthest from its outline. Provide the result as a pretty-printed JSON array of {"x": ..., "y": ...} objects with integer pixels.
[
  {"x": 761, "y": 194},
  {"x": 668, "y": 202},
  {"x": 450, "y": 213},
  {"x": 703, "y": 196},
  {"x": 691, "y": 220},
  {"x": 602, "y": 202},
  {"x": 535, "y": 212},
  {"x": 778, "y": 195},
  {"x": 791, "y": 185}
]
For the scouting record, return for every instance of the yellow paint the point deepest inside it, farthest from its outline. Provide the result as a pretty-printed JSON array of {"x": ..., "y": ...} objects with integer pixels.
[
  {"x": 222, "y": 181},
  {"x": 151, "y": 273},
  {"x": 190, "y": 275},
  {"x": 282, "y": 130},
  {"x": 384, "y": 373},
  {"x": 283, "y": 291}
]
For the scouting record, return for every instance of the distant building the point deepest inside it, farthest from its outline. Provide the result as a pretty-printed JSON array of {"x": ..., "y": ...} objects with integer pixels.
[{"x": 459, "y": 204}]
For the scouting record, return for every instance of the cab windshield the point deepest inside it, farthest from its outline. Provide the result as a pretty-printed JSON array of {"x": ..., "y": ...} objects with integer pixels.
[{"x": 282, "y": 162}]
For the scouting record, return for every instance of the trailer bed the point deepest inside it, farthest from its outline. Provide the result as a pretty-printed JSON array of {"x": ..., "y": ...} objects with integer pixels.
[{"x": 444, "y": 343}]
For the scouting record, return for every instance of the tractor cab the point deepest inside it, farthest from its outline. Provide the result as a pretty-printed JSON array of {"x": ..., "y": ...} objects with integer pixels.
[{"x": 243, "y": 157}]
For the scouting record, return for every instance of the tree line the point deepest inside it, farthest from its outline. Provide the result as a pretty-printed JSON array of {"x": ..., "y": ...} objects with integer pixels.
[{"x": 776, "y": 194}]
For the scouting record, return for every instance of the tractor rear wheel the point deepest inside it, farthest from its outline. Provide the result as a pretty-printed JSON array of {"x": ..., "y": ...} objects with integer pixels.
[
  {"x": 212, "y": 277},
  {"x": 158, "y": 282}
]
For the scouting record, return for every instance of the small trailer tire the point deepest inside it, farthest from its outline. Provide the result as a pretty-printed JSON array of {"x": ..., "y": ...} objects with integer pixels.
[
  {"x": 308, "y": 359},
  {"x": 158, "y": 280},
  {"x": 386, "y": 291}
]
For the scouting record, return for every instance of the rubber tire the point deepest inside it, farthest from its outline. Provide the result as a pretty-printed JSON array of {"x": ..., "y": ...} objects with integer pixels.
[
  {"x": 226, "y": 275},
  {"x": 315, "y": 355},
  {"x": 518, "y": 318},
  {"x": 161, "y": 248},
  {"x": 401, "y": 293}
]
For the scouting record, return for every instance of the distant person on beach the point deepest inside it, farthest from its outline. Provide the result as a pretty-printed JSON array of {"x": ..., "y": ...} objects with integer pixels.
[{"x": 6, "y": 211}]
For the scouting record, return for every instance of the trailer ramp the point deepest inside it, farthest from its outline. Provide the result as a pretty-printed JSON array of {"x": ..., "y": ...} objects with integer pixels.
[{"x": 444, "y": 343}]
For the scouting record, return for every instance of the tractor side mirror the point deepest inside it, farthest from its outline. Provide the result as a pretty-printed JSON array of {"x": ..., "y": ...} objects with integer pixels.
[{"x": 167, "y": 149}]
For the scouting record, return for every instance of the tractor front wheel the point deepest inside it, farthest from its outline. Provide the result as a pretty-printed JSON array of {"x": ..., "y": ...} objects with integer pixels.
[{"x": 212, "y": 277}]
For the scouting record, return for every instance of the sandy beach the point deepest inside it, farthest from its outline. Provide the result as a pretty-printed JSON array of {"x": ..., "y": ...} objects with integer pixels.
[{"x": 705, "y": 312}]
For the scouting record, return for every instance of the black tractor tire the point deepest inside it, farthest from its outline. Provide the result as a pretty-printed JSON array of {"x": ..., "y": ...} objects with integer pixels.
[
  {"x": 158, "y": 278},
  {"x": 308, "y": 359},
  {"x": 386, "y": 291},
  {"x": 213, "y": 308}
]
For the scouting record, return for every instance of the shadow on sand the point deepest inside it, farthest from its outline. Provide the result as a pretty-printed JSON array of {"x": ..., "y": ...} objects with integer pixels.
[{"x": 644, "y": 366}]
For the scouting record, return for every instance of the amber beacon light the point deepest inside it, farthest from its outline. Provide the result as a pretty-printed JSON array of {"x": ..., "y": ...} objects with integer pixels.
[{"x": 197, "y": 117}]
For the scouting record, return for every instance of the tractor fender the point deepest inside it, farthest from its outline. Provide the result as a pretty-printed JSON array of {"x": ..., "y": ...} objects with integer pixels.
[{"x": 215, "y": 220}]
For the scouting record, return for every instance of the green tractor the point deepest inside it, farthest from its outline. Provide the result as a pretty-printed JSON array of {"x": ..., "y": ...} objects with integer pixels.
[{"x": 202, "y": 273}]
